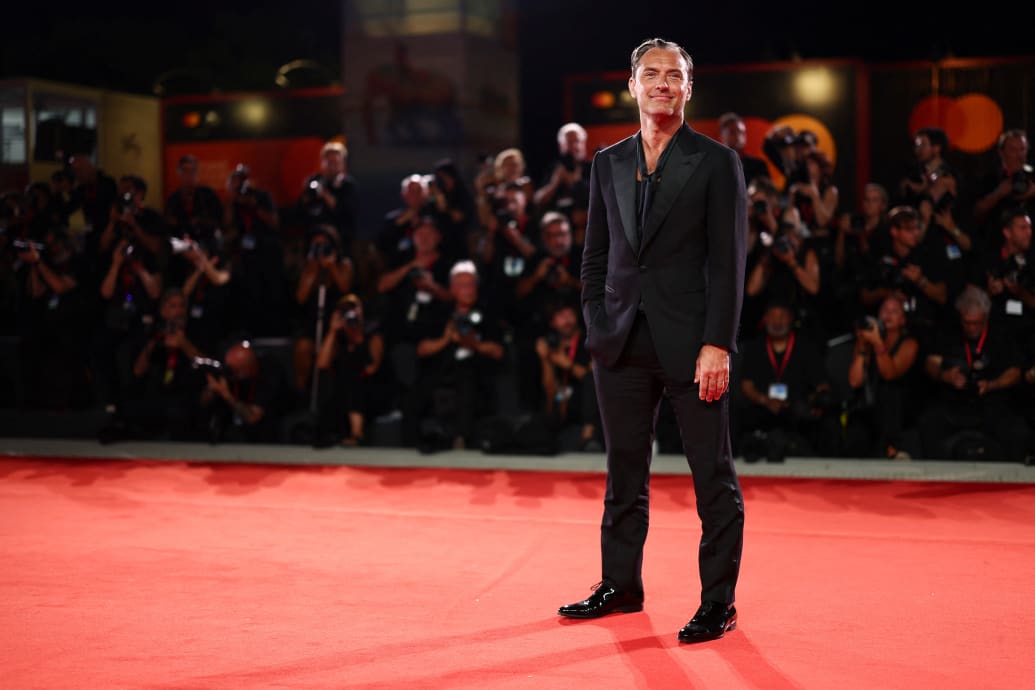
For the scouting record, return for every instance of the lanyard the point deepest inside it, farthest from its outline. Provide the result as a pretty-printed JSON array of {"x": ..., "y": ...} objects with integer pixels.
[
  {"x": 980, "y": 346},
  {"x": 779, "y": 370}
]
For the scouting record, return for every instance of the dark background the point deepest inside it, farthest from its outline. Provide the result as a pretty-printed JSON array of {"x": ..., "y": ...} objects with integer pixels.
[{"x": 233, "y": 45}]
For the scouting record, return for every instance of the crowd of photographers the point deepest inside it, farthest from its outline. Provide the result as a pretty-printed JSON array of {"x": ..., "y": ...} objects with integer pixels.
[{"x": 901, "y": 328}]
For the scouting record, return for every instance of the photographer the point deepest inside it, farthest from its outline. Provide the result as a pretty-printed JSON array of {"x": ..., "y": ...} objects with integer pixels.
[
  {"x": 733, "y": 133},
  {"x": 94, "y": 193},
  {"x": 566, "y": 373},
  {"x": 394, "y": 240},
  {"x": 1011, "y": 185},
  {"x": 352, "y": 354},
  {"x": 457, "y": 359},
  {"x": 163, "y": 400},
  {"x": 254, "y": 257},
  {"x": 240, "y": 401},
  {"x": 975, "y": 365},
  {"x": 491, "y": 185},
  {"x": 129, "y": 219},
  {"x": 815, "y": 195},
  {"x": 207, "y": 292},
  {"x": 504, "y": 247},
  {"x": 568, "y": 182},
  {"x": 881, "y": 374},
  {"x": 327, "y": 276},
  {"x": 788, "y": 270},
  {"x": 54, "y": 319},
  {"x": 129, "y": 295},
  {"x": 192, "y": 204},
  {"x": 1008, "y": 275},
  {"x": 931, "y": 175},
  {"x": 331, "y": 196},
  {"x": 250, "y": 210},
  {"x": 911, "y": 271},
  {"x": 453, "y": 206},
  {"x": 416, "y": 285},
  {"x": 786, "y": 399}
]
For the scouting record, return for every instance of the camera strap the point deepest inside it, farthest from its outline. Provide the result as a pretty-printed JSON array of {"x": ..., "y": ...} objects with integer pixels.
[
  {"x": 977, "y": 350},
  {"x": 781, "y": 369}
]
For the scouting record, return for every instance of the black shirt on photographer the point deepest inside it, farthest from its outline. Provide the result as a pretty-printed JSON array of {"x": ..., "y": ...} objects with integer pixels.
[
  {"x": 985, "y": 357},
  {"x": 1008, "y": 309},
  {"x": 885, "y": 271},
  {"x": 529, "y": 313},
  {"x": 345, "y": 214}
]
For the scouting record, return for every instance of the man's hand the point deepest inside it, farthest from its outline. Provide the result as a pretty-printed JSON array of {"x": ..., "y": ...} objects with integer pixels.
[{"x": 712, "y": 372}]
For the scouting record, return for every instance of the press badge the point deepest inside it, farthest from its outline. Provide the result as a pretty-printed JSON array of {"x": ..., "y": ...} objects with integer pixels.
[
  {"x": 248, "y": 242},
  {"x": 778, "y": 391},
  {"x": 423, "y": 297},
  {"x": 953, "y": 252},
  {"x": 1014, "y": 307},
  {"x": 513, "y": 266}
]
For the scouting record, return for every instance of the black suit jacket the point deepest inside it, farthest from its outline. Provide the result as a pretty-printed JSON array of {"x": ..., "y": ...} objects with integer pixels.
[{"x": 688, "y": 269}]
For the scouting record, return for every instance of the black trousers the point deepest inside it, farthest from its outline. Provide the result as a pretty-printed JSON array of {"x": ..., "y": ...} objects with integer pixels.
[{"x": 629, "y": 394}]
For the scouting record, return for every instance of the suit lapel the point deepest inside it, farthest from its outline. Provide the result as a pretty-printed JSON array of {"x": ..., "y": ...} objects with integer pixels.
[
  {"x": 681, "y": 165},
  {"x": 623, "y": 175}
]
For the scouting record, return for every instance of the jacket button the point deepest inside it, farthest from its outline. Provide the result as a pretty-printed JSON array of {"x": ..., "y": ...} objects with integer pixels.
[{"x": 643, "y": 269}]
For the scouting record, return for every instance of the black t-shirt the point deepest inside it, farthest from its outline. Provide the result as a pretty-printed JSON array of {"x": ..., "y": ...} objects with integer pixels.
[
  {"x": 985, "y": 357},
  {"x": 481, "y": 322},
  {"x": 529, "y": 312},
  {"x": 187, "y": 211},
  {"x": 799, "y": 367},
  {"x": 345, "y": 214},
  {"x": 1007, "y": 308},
  {"x": 885, "y": 270}
]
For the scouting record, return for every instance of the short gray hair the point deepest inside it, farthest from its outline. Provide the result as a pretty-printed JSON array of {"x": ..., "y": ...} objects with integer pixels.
[
  {"x": 651, "y": 44},
  {"x": 972, "y": 299}
]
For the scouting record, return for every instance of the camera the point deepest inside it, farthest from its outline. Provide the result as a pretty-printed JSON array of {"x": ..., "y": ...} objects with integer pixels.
[
  {"x": 127, "y": 204},
  {"x": 760, "y": 207},
  {"x": 568, "y": 161},
  {"x": 553, "y": 339},
  {"x": 350, "y": 312},
  {"x": 467, "y": 324},
  {"x": 856, "y": 224},
  {"x": 867, "y": 322},
  {"x": 28, "y": 246},
  {"x": 320, "y": 250},
  {"x": 206, "y": 365},
  {"x": 415, "y": 273},
  {"x": 315, "y": 186},
  {"x": 180, "y": 246},
  {"x": 1019, "y": 181},
  {"x": 945, "y": 202},
  {"x": 782, "y": 245}
]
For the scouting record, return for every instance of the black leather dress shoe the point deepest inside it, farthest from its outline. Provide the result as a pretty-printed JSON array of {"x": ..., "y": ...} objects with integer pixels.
[
  {"x": 606, "y": 599},
  {"x": 710, "y": 622}
]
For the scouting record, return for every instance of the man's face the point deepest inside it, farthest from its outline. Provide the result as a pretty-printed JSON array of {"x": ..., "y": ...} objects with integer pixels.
[
  {"x": 515, "y": 202},
  {"x": 661, "y": 84},
  {"x": 777, "y": 321},
  {"x": 1014, "y": 153},
  {"x": 333, "y": 164},
  {"x": 188, "y": 174},
  {"x": 414, "y": 195},
  {"x": 1018, "y": 234},
  {"x": 734, "y": 135},
  {"x": 908, "y": 233},
  {"x": 557, "y": 239},
  {"x": 922, "y": 148},
  {"x": 564, "y": 321},
  {"x": 872, "y": 203},
  {"x": 426, "y": 238},
  {"x": 174, "y": 308},
  {"x": 973, "y": 323},
  {"x": 464, "y": 288},
  {"x": 511, "y": 168},
  {"x": 575, "y": 144}
]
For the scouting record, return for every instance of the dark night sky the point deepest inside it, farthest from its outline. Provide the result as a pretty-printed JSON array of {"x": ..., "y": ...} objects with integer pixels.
[{"x": 235, "y": 45}]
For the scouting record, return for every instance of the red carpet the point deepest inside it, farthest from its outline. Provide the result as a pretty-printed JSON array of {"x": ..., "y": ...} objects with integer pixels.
[{"x": 172, "y": 575}]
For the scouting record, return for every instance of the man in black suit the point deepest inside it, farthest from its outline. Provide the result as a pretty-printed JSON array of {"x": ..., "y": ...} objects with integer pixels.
[{"x": 663, "y": 281}]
